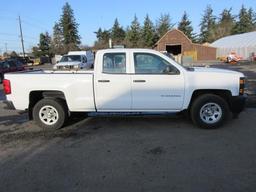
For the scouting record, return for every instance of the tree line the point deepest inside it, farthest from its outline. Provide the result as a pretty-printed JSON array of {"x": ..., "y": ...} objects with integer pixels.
[
  {"x": 65, "y": 35},
  {"x": 211, "y": 28}
]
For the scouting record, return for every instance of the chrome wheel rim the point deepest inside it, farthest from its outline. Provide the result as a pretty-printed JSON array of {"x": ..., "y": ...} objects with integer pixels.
[
  {"x": 211, "y": 113},
  {"x": 48, "y": 115}
]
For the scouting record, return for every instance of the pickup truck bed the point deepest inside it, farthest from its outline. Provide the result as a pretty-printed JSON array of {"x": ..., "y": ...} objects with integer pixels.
[{"x": 77, "y": 86}]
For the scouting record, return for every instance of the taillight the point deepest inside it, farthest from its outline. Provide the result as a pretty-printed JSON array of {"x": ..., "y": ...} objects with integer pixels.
[
  {"x": 7, "y": 86},
  {"x": 241, "y": 85}
]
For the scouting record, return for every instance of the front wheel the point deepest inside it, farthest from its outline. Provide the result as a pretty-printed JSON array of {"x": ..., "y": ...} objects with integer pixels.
[
  {"x": 50, "y": 113},
  {"x": 209, "y": 111}
]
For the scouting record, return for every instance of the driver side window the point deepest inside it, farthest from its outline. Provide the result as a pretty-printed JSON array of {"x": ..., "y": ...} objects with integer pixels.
[{"x": 146, "y": 63}]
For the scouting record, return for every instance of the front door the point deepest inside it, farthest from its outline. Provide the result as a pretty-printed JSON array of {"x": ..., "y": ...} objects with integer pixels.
[
  {"x": 156, "y": 84},
  {"x": 113, "y": 84}
]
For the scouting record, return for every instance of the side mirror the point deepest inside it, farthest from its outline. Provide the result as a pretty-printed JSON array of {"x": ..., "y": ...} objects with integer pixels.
[
  {"x": 57, "y": 61},
  {"x": 167, "y": 70},
  {"x": 171, "y": 70}
]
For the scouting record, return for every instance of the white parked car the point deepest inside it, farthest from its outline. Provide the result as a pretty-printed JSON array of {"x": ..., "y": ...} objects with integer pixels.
[
  {"x": 76, "y": 60},
  {"x": 128, "y": 80}
]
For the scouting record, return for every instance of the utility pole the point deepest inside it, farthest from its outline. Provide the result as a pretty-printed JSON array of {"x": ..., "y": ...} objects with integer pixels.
[{"x": 21, "y": 37}]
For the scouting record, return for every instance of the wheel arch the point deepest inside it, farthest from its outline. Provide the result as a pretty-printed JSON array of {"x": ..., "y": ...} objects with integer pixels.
[
  {"x": 35, "y": 96},
  {"x": 223, "y": 93}
]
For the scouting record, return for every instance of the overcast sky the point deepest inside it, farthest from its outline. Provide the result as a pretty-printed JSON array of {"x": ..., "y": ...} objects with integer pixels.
[{"x": 39, "y": 16}]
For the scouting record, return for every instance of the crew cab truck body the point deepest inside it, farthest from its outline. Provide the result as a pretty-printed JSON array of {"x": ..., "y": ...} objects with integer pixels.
[{"x": 128, "y": 80}]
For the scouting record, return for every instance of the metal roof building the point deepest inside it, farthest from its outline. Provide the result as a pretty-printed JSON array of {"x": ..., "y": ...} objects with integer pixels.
[{"x": 243, "y": 45}]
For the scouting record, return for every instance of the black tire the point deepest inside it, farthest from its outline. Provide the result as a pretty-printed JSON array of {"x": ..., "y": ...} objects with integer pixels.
[
  {"x": 57, "y": 105},
  {"x": 202, "y": 118}
]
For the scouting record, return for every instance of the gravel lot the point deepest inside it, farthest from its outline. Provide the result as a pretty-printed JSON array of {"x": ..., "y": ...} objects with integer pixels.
[{"x": 129, "y": 153}]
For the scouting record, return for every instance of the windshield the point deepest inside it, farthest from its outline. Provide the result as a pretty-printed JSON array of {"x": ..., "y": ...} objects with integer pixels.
[{"x": 70, "y": 58}]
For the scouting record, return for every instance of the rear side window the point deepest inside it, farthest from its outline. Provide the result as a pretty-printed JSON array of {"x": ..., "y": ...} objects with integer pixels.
[{"x": 114, "y": 63}]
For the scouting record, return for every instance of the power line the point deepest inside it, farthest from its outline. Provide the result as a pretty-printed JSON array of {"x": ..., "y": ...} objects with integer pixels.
[
  {"x": 34, "y": 25},
  {"x": 9, "y": 40},
  {"x": 30, "y": 37},
  {"x": 9, "y": 34}
]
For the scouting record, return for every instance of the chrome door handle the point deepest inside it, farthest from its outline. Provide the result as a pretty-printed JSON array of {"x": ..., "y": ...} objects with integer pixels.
[
  {"x": 103, "y": 81},
  {"x": 139, "y": 81}
]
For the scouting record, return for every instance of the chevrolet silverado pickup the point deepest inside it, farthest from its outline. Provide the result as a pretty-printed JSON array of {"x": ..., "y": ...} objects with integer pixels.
[{"x": 127, "y": 81}]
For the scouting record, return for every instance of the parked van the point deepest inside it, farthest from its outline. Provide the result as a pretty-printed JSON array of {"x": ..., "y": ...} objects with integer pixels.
[{"x": 76, "y": 60}]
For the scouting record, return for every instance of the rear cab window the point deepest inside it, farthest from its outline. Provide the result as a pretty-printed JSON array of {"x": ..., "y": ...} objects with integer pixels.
[{"x": 114, "y": 63}]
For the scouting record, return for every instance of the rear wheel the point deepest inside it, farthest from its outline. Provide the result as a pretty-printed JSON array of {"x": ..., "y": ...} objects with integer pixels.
[
  {"x": 50, "y": 113},
  {"x": 209, "y": 111}
]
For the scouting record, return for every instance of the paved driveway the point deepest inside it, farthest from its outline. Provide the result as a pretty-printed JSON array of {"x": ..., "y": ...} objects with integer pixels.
[{"x": 127, "y": 154}]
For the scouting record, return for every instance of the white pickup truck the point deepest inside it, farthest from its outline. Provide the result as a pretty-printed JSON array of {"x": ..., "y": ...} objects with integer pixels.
[{"x": 127, "y": 80}]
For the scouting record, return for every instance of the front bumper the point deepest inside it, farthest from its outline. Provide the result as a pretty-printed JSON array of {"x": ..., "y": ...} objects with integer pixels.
[{"x": 237, "y": 103}]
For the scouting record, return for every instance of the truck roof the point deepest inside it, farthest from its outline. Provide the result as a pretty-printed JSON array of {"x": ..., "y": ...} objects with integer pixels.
[
  {"x": 79, "y": 52},
  {"x": 127, "y": 49}
]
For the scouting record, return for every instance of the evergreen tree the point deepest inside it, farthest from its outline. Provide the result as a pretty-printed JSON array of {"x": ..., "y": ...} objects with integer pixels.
[
  {"x": 69, "y": 27},
  {"x": 225, "y": 24},
  {"x": 208, "y": 26},
  {"x": 164, "y": 24},
  {"x": 134, "y": 33},
  {"x": 252, "y": 18},
  {"x": 148, "y": 33},
  {"x": 44, "y": 44},
  {"x": 186, "y": 27},
  {"x": 103, "y": 37},
  {"x": 57, "y": 39},
  {"x": 13, "y": 54},
  {"x": 99, "y": 34},
  {"x": 117, "y": 33},
  {"x": 246, "y": 22}
]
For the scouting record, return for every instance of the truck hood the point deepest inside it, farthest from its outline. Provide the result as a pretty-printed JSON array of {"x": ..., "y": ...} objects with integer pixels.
[
  {"x": 215, "y": 70},
  {"x": 68, "y": 63}
]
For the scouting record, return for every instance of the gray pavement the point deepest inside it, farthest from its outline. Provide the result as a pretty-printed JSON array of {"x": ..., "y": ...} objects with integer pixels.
[{"x": 127, "y": 154}]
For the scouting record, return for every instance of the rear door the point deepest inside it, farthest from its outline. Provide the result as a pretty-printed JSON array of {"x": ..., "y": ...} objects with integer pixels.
[
  {"x": 112, "y": 82},
  {"x": 156, "y": 84}
]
